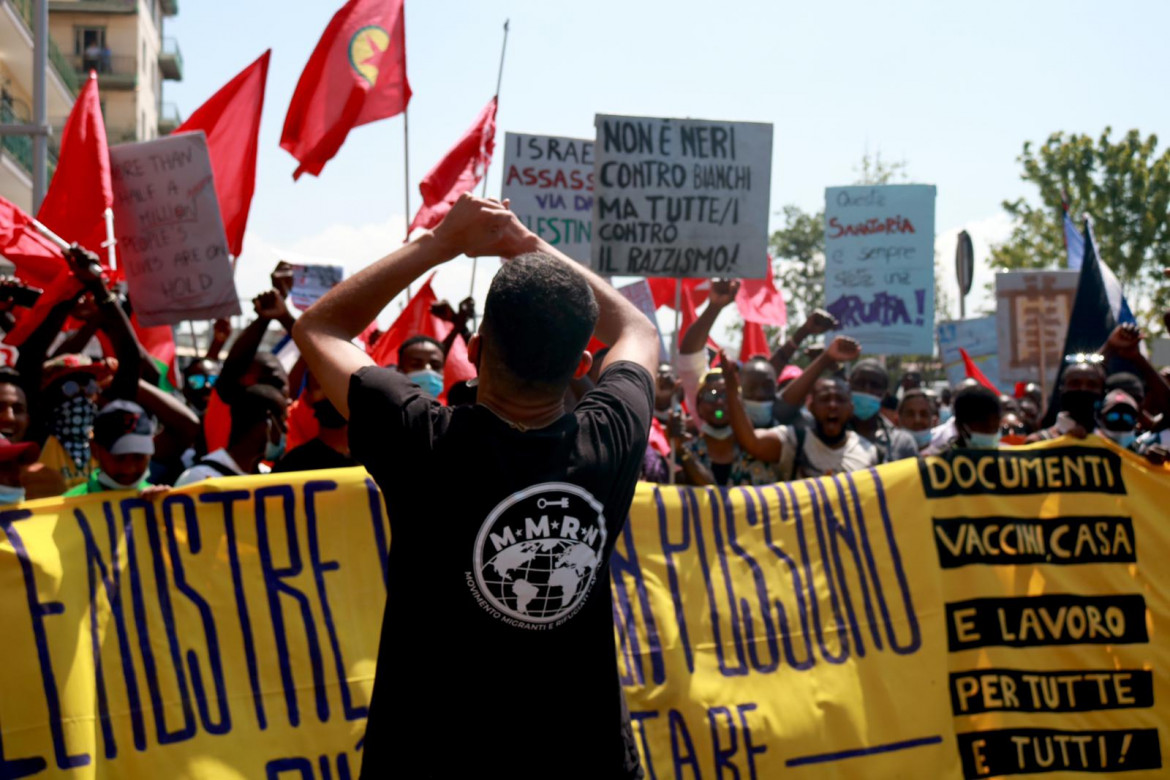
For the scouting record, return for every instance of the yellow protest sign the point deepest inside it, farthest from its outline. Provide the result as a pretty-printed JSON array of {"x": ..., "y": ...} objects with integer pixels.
[{"x": 988, "y": 614}]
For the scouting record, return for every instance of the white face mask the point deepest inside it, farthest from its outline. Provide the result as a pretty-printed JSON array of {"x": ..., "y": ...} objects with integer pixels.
[
  {"x": 10, "y": 495},
  {"x": 112, "y": 484},
  {"x": 759, "y": 412},
  {"x": 725, "y": 432}
]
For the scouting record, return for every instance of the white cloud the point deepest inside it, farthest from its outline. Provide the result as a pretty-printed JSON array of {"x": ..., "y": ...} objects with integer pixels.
[{"x": 984, "y": 233}]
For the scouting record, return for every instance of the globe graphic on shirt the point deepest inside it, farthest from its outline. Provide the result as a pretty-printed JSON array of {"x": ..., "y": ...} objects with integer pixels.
[
  {"x": 542, "y": 578},
  {"x": 538, "y": 553}
]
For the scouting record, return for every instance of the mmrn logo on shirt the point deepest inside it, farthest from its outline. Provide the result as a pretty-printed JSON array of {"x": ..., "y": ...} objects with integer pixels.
[{"x": 537, "y": 554}]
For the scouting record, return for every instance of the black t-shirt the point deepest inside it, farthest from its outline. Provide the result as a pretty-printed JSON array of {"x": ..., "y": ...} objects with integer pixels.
[
  {"x": 497, "y": 656},
  {"x": 313, "y": 454}
]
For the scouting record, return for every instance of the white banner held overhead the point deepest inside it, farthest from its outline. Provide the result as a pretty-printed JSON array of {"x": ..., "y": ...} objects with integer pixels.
[{"x": 681, "y": 197}]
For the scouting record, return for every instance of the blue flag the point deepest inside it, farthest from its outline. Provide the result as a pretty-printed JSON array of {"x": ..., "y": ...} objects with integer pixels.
[{"x": 1074, "y": 244}]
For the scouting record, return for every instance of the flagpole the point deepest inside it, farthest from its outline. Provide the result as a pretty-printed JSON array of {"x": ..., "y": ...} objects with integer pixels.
[
  {"x": 406, "y": 181},
  {"x": 483, "y": 192}
]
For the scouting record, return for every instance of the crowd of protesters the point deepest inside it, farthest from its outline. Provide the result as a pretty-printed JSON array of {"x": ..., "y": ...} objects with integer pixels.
[{"x": 72, "y": 423}]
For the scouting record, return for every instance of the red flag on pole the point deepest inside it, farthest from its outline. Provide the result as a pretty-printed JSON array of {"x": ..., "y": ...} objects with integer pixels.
[
  {"x": 459, "y": 171},
  {"x": 80, "y": 192},
  {"x": 973, "y": 372},
  {"x": 662, "y": 288},
  {"x": 37, "y": 259},
  {"x": 754, "y": 342},
  {"x": 760, "y": 302},
  {"x": 356, "y": 75},
  {"x": 231, "y": 121}
]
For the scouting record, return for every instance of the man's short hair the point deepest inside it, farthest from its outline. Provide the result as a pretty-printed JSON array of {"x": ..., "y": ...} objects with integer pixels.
[
  {"x": 976, "y": 403},
  {"x": 918, "y": 392},
  {"x": 410, "y": 342},
  {"x": 253, "y": 407},
  {"x": 538, "y": 319},
  {"x": 10, "y": 376},
  {"x": 872, "y": 366},
  {"x": 1130, "y": 383}
]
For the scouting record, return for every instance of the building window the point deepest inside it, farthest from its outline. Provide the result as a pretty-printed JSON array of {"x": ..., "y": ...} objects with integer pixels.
[{"x": 89, "y": 45}]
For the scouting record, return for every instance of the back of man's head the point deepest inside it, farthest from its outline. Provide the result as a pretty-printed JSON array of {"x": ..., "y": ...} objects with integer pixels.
[
  {"x": 537, "y": 320},
  {"x": 975, "y": 404}
]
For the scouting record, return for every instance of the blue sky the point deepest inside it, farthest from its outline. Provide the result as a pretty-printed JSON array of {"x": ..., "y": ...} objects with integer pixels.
[{"x": 952, "y": 89}]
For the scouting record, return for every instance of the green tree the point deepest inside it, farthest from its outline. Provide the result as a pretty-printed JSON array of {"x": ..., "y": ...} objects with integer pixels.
[{"x": 1122, "y": 185}]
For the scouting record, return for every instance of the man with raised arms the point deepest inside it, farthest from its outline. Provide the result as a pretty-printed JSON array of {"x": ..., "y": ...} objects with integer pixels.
[{"x": 503, "y": 513}]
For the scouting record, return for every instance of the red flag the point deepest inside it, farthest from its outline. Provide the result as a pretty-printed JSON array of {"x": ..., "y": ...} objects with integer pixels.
[
  {"x": 80, "y": 192},
  {"x": 37, "y": 259},
  {"x": 759, "y": 301},
  {"x": 458, "y": 172},
  {"x": 356, "y": 75},
  {"x": 662, "y": 288},
  {"x": 416, "y": 320},
  {"x": 64, "y": 286},
  {"x": 754, "y": 342},
  {"x": 973, "y": 372},
  {"x": 231, "y": 121}
]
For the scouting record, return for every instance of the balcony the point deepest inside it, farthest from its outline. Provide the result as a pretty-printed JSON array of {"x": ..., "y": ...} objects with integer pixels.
[
  {"x": 170, "y": 60},
  {"x": 94, "y": 6},
  {"x": 170, "y": 7},
  {"x": 168, "y": 119},
  {"x": 114, "y": 72},
  {"x": 20, "y": 147},
  {"x": 65, "y": 73}
]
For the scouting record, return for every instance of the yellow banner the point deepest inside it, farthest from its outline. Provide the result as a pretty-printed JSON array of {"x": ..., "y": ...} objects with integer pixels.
[{"x": 990, "y": 614}]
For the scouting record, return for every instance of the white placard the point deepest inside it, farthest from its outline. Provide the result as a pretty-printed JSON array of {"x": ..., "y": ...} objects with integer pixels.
[
  {"x": 978, "y": 337},
  {"x": 681, "y": 197},
  {"x": 879, "y": 266},
  {"x": 549, "y": 181},
  {"x": 171, "y": 241},
  {"x": 310, "y": 282}
]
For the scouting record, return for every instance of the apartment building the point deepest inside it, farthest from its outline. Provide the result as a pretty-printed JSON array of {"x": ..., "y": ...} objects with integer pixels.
[
  {"x": 16, "y": 97},
  {"x": 123, "y": 41}
]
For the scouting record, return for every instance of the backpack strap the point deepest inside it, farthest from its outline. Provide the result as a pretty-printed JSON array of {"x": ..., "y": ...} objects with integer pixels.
[{"x": 223, "y": 470}]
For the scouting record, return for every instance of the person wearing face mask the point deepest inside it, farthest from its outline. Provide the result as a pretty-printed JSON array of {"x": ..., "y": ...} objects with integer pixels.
[
  {"x": 757, "y": 381},
  {"x": 123, "y": 442},
  {"x": 422, "y": 359},
  {"x": 829, "y": 446},
  {"x": 258, "y": 425},
  {"x": 330, "y": 448},
  {"x": 1118, "y": 419},
  {"x": 978, "y": 412},
  {"x": 918, "y": 415},
  {"x": 713, "y": 457},
  {"x": 1082, "y": 388},
  {"x": 868, "y": 384},
  {"x": 14, "y": 456}
]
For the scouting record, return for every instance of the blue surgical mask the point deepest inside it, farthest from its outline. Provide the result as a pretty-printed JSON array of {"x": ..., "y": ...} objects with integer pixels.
[
  {"x": 10, "y": 495},
  {"x": 983, "y": 441},
  {"x": 759, "y": 412},
  {"x": 865, "y": 406},
  {"x": 707, "y": 429},
  {"x": 922, "y": 438},
  {"x": 274, "y": 451},
  {"x": 429, "y": 381}
]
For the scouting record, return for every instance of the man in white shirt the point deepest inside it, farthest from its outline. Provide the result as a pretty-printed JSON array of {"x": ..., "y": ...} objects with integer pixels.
[{"x": 830, "y": 447}]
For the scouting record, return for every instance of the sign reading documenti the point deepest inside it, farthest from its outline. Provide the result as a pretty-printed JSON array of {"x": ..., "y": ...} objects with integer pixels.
[
  {"x": 879, "y": 265},
  {"x": 170, "y": 234},
  {"x": 681, "y": 197},
  {"x": 549, "y": 181}
]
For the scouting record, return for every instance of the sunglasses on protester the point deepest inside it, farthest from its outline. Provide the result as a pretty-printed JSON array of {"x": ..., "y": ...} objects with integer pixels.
[
  {"x": 71, "y": 388},
  {"x": 1120, "y": 420},
  {"x": 202, "y": 381},
  {"x": 711, "y": 396},
  {"x": 1013, "y": 430}
]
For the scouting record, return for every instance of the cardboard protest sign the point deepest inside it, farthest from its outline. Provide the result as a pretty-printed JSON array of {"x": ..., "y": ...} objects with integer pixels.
[
  {"x": 549, "y": 180},
  {"x": 640, "y": 295},
  {"x": 979, "y": 338},
  {"x": 1032, "y": 312},
  {"x": 879, "y": 265},
  {"x": 171, "y": 240},
  {"x": 310, "y": 282},
  {"x": 681, "y": 197}
]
